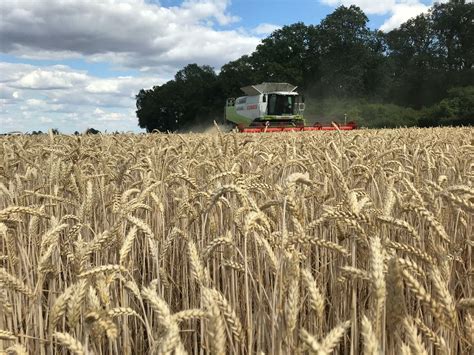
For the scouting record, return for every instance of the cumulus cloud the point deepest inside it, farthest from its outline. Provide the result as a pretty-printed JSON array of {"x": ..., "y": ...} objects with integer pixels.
[
  {"x": 139, "y": 36},
  {"x": 401, "y": 13},
  {"x": 102, "y": 115},
  {"x": 398, "y": 11},
  {"x": 49, "y": 79},
  {"x": 265, "y": 28},
  {"x": 37, "y": 98},
  {"x": 118, "y": 85},
  {"x": 130, "y": 33},
  {"x": 201, "y": 9},
  {"x": 379, "y": 7},
  {"x": 44, "y": 119}
]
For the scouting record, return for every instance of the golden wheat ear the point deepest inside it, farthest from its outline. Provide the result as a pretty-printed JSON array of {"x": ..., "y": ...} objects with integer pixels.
[
  {"x": 68, "y": 341},
  {"x": 238, "y": 243}
]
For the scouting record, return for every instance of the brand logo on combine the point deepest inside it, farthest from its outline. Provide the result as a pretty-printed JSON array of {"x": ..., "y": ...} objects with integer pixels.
[{"x": 251, "y": 107}]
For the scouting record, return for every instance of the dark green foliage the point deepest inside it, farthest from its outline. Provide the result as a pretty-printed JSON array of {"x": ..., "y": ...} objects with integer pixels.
[
  {"x": 237, "y": 74},
  {"x": 289, "y": 54},
  {"x": 432, "y": 53},
  {"x": 366, "y": 114},
  {"x": 453, "y": 28},
  {"x": 420, "y": 73},
  {"x": 351, "y": 55},
  {"x": 387, "y": 116},
  {"x": 92, "y": 131},
  {"x": 456, "y": 109},
  {"x": 191, "y": 95}
]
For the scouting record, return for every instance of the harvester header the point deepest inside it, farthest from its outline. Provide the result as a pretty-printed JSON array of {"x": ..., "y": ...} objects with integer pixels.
[{"x": 272, "y": 107}]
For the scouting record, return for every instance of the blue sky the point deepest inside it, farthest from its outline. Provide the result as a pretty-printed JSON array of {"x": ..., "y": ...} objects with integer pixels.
[{"x": 78, "y": 64}]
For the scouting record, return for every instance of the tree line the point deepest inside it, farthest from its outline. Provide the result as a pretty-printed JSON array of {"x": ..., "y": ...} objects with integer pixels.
[{"x": 421, "y": 73}]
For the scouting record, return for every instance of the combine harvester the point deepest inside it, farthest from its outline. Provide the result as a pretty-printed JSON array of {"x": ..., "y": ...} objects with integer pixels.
[{"x": 273, "y": 107}]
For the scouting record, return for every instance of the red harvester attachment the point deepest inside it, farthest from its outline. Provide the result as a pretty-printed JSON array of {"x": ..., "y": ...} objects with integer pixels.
[{"x": 349, "y": 126}]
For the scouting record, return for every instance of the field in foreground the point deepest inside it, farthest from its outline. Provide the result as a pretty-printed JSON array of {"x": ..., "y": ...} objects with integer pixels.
[{"x": 353, "y": 242}]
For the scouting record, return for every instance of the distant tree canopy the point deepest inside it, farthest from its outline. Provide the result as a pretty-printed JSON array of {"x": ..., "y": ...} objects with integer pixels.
[
  {"x": 92, "y": 131},
  {"x": 190, "y": 95},
  {"x": 426, "y": 62}
]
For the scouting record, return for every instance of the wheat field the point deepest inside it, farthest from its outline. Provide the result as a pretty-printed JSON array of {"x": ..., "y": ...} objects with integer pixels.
[{"x": 291, "y": 243}]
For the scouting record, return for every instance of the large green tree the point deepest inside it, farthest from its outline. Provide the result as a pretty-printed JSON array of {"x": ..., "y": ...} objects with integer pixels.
[
  {"x": 287, "y": 55},
  {"x": 453, "y": 27},
  {"x": 431, "y": 53},
  {"x": 236, "y": 74},
  {"x": 351, "y": 55},
  {"x": 193, "y": 94},
  {"x": 415, "y": 62},
  {"x": 160, "y": 108},
  {"x": 199, "y": 88}
]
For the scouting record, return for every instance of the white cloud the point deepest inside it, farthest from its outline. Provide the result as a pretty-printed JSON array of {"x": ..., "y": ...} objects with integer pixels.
[
  {"x": 379, "y": 7},
  {"x": 401, "y": 13},
  {"x": 44, "y": 119},
  {"x": 398, "y": 11},
  {"x": 104, "y": 86},
  {"x": 143, "y": 35},
  {"x": 129, "y": 33},
  {"x": 13, "y": 71},
  {"x": 6, "y": 92},
  {"x": 265, "y": 28},
  {"x": 111, "y": 116},
  {"x": 50, "y": 79},
  {"x": 38, "y": 98},
  {"x": 203, "y": 9},
  {"x": 35, "y": 102}
]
